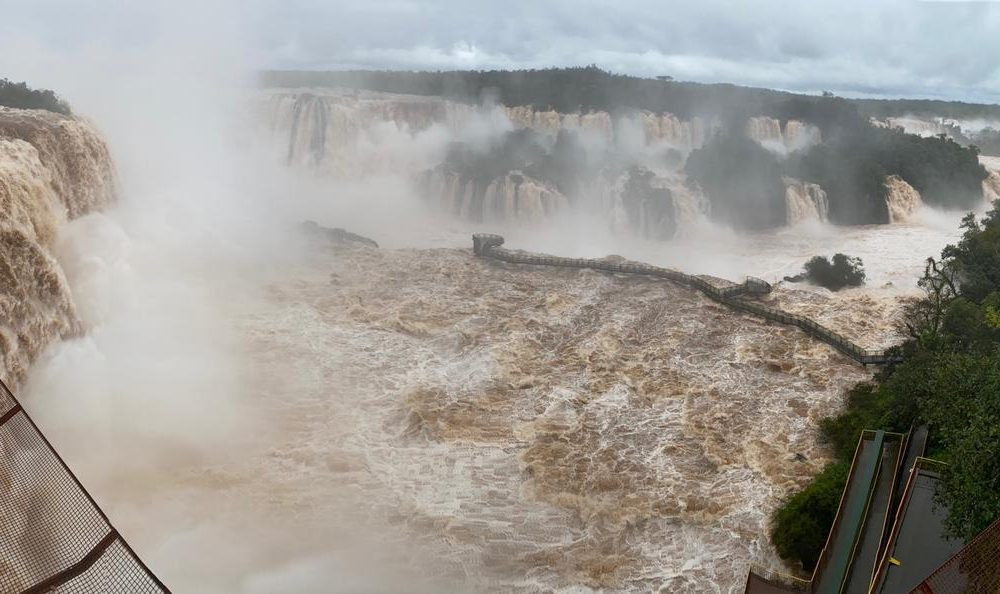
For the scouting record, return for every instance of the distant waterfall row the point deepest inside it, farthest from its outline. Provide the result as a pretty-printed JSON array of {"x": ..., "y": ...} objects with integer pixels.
[{"x": 630, "y": 174}]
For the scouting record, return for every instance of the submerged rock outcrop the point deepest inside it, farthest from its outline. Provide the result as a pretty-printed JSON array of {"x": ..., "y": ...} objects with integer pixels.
[{"x": 52, "y": 168}]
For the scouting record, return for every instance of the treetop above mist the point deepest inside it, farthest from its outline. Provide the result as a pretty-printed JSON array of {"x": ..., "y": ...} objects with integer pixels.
[
  {"x": 569, "y": 90},
  {"x": 21, "y": 96},
  {"x": 590, "y": 88}
]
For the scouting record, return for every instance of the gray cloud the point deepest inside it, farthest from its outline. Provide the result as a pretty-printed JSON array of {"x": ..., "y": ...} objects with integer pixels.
[
  {"x": 854, "y": 47},
  {"x": 880, "y": 47}
]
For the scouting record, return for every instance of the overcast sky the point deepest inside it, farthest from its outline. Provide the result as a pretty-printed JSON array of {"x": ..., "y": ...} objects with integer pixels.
[{"x": 893, "y": 48}]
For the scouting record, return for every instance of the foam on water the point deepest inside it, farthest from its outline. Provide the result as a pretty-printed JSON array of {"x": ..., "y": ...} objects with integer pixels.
[{"x": 474, "y": 427}]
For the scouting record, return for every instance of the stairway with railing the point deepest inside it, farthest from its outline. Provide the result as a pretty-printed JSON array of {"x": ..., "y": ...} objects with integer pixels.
[{"x": 730, "y": 294}]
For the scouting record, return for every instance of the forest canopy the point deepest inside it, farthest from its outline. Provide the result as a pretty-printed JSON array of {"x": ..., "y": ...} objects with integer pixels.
[{"x": 21, "y": 96}]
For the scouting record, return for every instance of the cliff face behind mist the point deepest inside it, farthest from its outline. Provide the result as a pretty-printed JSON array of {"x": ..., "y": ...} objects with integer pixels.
[
  {"x": 749, "y": 158},
  {"x": 53, "y": 168},
  {"x": 519, "y": 164}
]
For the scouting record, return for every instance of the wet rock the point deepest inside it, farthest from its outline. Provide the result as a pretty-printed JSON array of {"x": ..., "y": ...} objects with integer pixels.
[{"x": 335, "y": 235}]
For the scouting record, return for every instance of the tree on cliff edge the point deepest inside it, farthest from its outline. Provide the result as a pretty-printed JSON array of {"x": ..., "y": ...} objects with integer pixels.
[{"x": 21, "y": 96}]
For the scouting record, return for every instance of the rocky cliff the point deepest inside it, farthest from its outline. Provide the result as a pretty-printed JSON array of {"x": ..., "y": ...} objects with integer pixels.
[{"x": 53, "y": 168}]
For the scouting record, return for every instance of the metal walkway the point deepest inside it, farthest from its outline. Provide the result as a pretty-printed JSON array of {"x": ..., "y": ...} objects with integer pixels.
[
  {"x": 488, "y": 245},
  {"x": 917, "y": 542},
  {"x": 53, "y": 535}
]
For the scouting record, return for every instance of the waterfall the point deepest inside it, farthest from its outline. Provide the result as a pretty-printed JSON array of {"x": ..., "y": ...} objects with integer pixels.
[
  {"x": 690, "y": 205},
  {"x": 684, "y": 135},
  {"x": 517, "y": 197},
  {"x": 795, "y": 135},
  {"x": 805, "y": 201},
  {"x": 349, "y": 134},
  {"x": 52, "y": 168},
  {"x": 917, "y": 126},
  {"x": 902, "y": 199},
  {"x": 991, "y": 186},
  {"x": 514, "y": 197},
  {"x": 653, "y": 206}
]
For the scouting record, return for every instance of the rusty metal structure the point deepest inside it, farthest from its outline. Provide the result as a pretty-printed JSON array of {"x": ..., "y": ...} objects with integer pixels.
[
  {"x": 53, "y": 535},
  {"x": 973, "y": 570}
]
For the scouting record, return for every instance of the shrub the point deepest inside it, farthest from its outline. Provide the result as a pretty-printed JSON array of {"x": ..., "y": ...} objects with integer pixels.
[
  {"x": 843, "y": 271},
  {"x": 802, "y": 523}
]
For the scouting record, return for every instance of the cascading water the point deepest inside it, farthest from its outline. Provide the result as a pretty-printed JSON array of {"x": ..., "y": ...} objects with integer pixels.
[
  {"x": 902, "y": 200},
  {"x": 513, "y": 197},
  {"x": 52, "y": 168},
  {"x": 795, "y": 135},
  {"x": 329, "y": 130},
  {"x": 516, "y": 197},
  {"x": 643, "y": 204},
  {"x": 499, "y": 427},
  {"x": 352, "y": 134},
  {"x": 991, "y": 185}
]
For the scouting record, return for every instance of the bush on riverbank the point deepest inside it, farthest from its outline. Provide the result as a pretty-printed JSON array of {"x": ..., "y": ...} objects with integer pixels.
[
  {"x": 843, "y": 271},
  {"x": 801, "y": 525}
]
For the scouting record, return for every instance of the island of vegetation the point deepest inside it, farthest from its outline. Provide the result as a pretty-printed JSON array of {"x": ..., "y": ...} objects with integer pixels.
[{"x": 843, "y": 271}]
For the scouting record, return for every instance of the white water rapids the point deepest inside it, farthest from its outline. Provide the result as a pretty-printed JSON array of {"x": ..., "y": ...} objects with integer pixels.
[
  {"x": 415, "y": 419},
  {"x": 427, "y": 421}
]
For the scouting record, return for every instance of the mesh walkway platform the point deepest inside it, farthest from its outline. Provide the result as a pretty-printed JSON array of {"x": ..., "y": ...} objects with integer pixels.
[{"x": 53, "y": 535}]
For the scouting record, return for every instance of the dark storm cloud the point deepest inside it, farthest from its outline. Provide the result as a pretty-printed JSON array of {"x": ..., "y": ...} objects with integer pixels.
[{"x": 882, "y": 47}]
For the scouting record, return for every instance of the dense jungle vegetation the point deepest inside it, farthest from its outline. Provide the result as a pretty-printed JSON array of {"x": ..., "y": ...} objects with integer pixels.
[
  {"x": 571, "y": 89},
  {"x": 949, "y": 380}
]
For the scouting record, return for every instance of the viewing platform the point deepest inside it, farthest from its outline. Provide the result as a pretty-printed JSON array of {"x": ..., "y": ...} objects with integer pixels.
[{"x": 487, "y": 245}]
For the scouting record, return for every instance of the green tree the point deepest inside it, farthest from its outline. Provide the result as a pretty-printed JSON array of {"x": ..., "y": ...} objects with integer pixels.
[
  {"x": 843, "y": 271},
  {"x": 963, "y": 410},
  {"x": 802, "y": 523}
]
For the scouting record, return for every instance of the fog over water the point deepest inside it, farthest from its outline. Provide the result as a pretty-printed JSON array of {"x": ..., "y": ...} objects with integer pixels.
[{"x": 261, "y": 411}]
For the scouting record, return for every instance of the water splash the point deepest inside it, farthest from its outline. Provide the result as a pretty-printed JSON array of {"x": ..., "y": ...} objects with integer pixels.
[{"x": 902, "y": 199}]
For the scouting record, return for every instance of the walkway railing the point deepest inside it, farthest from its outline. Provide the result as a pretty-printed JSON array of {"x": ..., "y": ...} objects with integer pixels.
[
  {"x": 53, "y": 535},
  {"x": 729, "y": 294}
]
